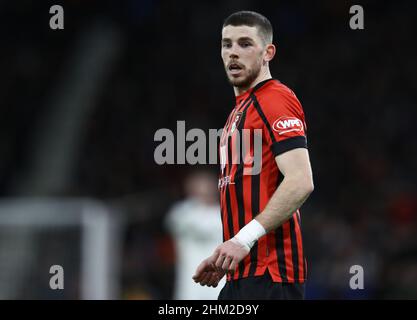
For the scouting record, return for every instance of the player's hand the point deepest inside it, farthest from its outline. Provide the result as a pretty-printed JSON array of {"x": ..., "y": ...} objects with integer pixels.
[
  {"x": 228, "y": 255},
  {"x": 207, "y": 274}
]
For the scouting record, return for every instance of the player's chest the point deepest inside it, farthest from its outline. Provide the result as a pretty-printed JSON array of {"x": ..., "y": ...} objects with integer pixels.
[{"x": 240, "y": 122}]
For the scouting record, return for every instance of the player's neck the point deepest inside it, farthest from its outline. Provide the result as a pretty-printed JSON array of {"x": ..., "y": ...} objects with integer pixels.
[{"x": 264, "y": 74}]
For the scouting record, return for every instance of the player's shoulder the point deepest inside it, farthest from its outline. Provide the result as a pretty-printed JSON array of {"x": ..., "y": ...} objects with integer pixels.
[
  {"x": 275, "y": 89},
  {"x": 274, "y": 93}
]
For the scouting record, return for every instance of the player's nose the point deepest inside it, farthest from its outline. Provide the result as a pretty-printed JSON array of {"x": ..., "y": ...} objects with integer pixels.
[
  {"x": 233, "y": 56},
  {"x": 233, "y": 53}
]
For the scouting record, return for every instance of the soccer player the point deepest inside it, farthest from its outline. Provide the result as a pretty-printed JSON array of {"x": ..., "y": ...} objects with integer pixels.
[
  {"x": 262, "y": 253},
  {"x": 195, "y": 240}
]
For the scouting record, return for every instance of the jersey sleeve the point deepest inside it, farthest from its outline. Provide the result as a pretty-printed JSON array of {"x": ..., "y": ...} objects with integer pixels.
[{"x": 284, "y": 121}]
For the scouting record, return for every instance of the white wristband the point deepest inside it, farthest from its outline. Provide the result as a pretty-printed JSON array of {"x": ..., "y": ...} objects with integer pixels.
[{"x": 249, "y": 234}]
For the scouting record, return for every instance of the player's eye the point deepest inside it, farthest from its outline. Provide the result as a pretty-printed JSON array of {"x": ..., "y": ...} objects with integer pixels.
[
  {"x": 226, "y": 45},
  {"x": 245, "y": 44}
]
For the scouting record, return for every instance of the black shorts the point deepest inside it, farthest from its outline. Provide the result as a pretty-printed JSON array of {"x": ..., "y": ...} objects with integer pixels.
[{"x": 261, "y": 288}]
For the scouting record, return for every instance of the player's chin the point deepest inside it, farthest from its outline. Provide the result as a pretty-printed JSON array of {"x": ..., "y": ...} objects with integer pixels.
[{"x": 238, "y": 81}]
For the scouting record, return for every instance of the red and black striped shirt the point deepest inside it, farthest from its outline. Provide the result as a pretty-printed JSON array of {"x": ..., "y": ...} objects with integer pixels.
[{"x": 271, "y": 110}]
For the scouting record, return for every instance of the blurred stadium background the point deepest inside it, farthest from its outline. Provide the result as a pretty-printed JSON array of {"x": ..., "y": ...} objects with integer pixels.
[{"x": 79, "y": 107}]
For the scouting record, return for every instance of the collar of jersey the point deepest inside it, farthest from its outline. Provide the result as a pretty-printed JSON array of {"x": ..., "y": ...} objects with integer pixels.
[{"x": 252, "y": 90}]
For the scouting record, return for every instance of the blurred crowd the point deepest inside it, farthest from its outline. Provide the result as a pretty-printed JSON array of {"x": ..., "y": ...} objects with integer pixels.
[{"x": 358, "y": 89}]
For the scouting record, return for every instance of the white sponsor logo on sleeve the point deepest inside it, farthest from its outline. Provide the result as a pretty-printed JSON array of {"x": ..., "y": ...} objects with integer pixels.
[{"x": 287, "y": 124}]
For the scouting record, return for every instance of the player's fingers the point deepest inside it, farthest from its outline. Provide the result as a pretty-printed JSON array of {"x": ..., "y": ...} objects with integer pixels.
[
  {"x": 206, "y": 279},
  {"x": 200, "y": 269},
  {"x": 217, "y": 277},
  {"x": 219, "y": 261},
  {"x": 226, "y": 263},
  {"x": 213, "y": 267},
  {"x": 200, "y": 276},
  {"x": 212, "y": 279},
  {"x": 232, "y": 267},
  {"x": 213, "y": 258},
  {"x": 197, "y": 276},
  {"x": 211, "y": 261}
]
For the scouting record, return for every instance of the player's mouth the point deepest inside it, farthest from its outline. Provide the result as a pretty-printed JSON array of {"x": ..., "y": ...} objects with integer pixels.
[{"x": 235, "y": 68}]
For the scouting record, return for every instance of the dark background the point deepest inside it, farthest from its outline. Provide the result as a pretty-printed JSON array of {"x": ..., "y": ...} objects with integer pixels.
[{"x": 358, "y": 89}]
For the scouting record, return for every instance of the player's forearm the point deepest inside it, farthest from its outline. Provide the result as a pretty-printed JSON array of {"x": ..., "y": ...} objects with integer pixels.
[{"x": 289, "y": 196}]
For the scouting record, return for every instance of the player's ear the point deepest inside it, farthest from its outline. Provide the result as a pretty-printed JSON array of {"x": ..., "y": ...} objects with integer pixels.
[{"x": 270, "y": 51}]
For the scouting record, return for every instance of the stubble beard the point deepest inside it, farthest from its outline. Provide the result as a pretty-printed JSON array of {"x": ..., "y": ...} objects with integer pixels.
[{"x": 246, "y": 82}]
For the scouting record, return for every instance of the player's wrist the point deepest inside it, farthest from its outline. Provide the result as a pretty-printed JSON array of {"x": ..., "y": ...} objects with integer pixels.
[{"x": 249, "y": 234}]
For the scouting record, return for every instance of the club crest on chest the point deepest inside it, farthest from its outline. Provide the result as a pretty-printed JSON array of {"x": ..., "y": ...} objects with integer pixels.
[{"x": 236, "y": 121}]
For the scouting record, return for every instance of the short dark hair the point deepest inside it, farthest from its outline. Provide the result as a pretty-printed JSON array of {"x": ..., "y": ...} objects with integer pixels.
[{"x": 251, "y": 19}]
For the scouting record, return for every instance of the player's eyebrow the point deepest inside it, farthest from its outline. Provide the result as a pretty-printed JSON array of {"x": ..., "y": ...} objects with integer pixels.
[
  {"x": 224, "y": 40},
  {"x": 245, "y": 39}
]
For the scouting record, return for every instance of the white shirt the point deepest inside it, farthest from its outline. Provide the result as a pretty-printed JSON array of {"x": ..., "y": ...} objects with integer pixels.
[{"x": 197, "y": 231}]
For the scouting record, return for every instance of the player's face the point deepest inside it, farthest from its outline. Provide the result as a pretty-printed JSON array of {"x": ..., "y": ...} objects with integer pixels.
[{"x": 242, "y": 54}]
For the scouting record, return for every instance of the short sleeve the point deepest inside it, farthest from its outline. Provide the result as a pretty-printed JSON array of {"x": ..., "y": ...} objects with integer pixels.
[{"x": 284, "y": 121}]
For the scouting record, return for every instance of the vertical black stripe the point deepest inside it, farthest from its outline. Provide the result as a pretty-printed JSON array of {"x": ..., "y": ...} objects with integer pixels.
[
  {"x": 263, "y": 117},
  {"x": 279, "y": 243},
  {"x": 239, "y": 170},
  {"x": 294, "y": 250},
  {"x": 229, "y": 213},
  {"x": 228, "y": 204},
  {"x": 241, "y": 211},
  {"x": 221, "y": 216},
  {"x": 255, "y": 188},
  {"x": 302, "y": 246},
  {"x": 305, "y": 267},
  {"x": 238, "y": 179}
]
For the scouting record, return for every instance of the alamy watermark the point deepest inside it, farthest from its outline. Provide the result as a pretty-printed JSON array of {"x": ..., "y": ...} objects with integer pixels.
[
  {"x": 357, "y": 280},
  {"x": 357, "y": 21},
  {"x": 57, "y": 280},
  {"x": 57, "y": 20},
  {"x": 236, "y": 147}
]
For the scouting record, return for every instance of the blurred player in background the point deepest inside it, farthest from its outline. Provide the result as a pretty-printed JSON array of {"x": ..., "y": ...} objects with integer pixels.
[
  {"x": 195, "y": 226},
  {"x": 263, "y": 252}
]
